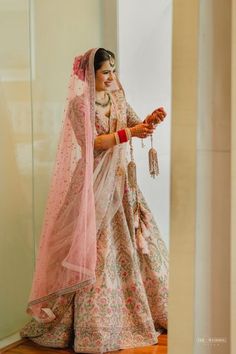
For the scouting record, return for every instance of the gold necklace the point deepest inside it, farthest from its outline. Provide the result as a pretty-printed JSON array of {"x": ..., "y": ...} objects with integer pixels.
[{"x": 103, "y": 104}]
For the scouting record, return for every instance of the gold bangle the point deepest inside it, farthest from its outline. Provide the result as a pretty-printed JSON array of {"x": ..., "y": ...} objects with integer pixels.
[
  {"x": 117, "y": 139},
  {"x": 128, "y": 133}
]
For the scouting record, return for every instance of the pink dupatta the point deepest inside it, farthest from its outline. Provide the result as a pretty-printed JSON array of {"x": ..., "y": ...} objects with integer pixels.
[{"x": 66, "y": 258}]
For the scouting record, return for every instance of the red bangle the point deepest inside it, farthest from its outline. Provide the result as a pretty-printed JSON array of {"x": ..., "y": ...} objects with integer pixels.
[{"x": 122, "y": 136}]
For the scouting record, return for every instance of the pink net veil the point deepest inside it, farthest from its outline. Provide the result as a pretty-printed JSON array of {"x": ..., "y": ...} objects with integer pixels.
[{"x": 66, "y": 258}]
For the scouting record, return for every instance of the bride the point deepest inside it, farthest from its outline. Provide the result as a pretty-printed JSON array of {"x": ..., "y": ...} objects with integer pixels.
[{"x": 101, "y": 277}]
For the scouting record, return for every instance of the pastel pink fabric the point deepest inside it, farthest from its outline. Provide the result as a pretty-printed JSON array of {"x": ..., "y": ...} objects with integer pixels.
[{"x": 66, "y": 258}]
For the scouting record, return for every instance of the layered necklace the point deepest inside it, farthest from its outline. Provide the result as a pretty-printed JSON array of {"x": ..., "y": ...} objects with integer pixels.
[{"x": 104, "y": 104}]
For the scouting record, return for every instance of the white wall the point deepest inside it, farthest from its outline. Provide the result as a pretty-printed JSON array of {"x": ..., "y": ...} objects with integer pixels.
[{"x": 144, "y": 48}]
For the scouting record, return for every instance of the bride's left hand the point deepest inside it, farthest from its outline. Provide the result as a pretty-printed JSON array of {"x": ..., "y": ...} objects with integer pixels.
[{"x": 156, "y": 117}]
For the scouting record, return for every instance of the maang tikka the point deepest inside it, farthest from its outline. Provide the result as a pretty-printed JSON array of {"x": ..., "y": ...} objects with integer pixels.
[{"x": 111, "y": 60}]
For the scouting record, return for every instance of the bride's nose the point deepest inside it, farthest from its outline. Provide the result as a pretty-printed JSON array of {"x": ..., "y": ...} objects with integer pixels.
[{"x": 111, "y": 76}]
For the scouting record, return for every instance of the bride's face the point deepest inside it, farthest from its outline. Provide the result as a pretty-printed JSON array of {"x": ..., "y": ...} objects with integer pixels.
[{"x": 105, "y": 76}]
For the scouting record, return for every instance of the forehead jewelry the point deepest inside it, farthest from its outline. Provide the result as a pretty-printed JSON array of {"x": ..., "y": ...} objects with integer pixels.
[{"x": 111, "y": 60}]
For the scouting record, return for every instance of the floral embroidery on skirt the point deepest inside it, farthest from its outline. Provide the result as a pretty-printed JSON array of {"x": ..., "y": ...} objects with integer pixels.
[{"x": 126, "y": 307}]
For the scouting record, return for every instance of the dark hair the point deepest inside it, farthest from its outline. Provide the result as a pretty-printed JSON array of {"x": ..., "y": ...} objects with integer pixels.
[{"x": 101, "y": 55}]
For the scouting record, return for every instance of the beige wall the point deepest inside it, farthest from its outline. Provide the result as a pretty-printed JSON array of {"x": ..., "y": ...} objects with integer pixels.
[
  {"x": 201, "y": 188},
  {"x": 59, "y": 30},
  {"x": 110, "y": 26},
  {"x": 212, "y": 283},
  {"x": 233, "y": 179},
  {"x": 183, "y": 176}
]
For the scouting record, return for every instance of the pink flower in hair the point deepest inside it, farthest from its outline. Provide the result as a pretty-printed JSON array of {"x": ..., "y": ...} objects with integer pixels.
[{"x": 79, "y": 67}]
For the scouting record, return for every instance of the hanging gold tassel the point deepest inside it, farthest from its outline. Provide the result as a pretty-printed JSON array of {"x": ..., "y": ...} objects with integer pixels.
[
  {"x": 142, "y": 223},
  {"x": 132, "y": 174},
  {"x": 153, "y": 161}
]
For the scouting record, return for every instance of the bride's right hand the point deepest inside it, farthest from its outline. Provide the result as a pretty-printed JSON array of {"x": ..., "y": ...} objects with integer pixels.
[{"x": 142, "y": 130}]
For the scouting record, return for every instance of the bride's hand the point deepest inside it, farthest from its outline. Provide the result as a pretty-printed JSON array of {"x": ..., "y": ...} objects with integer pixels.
[
  {"x": 142, "y": 130},
  {"x": 156, "y": 117}
]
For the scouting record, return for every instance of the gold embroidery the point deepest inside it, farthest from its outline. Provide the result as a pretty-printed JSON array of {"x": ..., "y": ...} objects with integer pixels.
[{"x": 119, "y": 171}]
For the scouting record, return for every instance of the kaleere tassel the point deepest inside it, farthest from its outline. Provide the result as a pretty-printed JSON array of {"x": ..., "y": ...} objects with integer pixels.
[
  {"x": 132, "y": 174},
  {"x": 153, "y": 161},
  {"x": 142, "y": 223}
]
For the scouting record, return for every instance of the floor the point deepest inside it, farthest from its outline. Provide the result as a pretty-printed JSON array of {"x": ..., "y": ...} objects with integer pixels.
[{"x": 29, "y": 347}]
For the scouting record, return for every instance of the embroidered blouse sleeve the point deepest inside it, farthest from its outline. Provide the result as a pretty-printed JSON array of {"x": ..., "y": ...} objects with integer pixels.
[{"x": 132, "y": 117}]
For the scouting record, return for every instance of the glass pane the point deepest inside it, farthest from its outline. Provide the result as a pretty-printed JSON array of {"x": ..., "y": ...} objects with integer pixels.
[{"x": 16, "y": 207}]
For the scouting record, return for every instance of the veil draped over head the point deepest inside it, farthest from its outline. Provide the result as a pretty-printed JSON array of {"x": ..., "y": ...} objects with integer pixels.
[{"x": 74, "y": 213}]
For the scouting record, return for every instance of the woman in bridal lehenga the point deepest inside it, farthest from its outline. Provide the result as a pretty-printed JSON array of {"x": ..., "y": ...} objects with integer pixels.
[{"x": 101, "y": 277}]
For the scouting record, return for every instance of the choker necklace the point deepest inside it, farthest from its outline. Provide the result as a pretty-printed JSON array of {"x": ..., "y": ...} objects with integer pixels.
[{"x": 103, "y": 104}]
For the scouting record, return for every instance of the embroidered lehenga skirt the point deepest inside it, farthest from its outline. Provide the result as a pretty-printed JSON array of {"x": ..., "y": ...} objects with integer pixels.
[{"x": 127, "y": 306}]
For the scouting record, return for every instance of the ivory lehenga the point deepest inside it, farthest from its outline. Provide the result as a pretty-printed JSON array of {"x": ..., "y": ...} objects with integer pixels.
[{"x": 127, "y": 305}]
